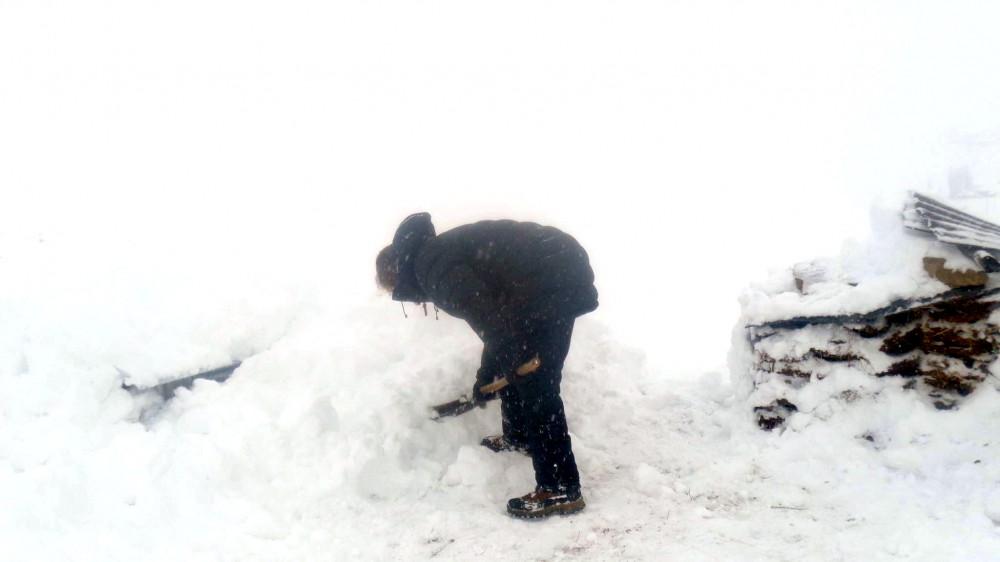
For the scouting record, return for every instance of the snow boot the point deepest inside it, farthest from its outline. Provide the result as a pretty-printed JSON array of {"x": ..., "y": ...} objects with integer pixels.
[
  {"x": 542, "y": 503},
  {"x": 500, "y": 443}
]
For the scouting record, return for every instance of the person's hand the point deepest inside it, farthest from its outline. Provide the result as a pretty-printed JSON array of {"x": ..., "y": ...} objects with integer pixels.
[{"x": 480, "y": 397}]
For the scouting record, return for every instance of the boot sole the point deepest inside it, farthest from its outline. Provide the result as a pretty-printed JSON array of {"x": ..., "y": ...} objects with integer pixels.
[{"x": 561, "y": 509}]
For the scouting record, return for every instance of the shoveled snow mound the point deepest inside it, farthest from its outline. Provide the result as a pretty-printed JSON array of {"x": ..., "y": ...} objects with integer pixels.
[
  {"x": 320, "y": 448},
  {"x": 867, "y": 275}
]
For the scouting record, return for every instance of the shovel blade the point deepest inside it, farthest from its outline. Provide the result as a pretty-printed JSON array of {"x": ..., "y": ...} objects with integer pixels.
[{"x": 453, "y": 408}]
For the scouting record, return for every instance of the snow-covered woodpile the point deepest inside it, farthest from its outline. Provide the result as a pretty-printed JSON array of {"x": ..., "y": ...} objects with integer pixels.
[{"x": 915, "y": 311}]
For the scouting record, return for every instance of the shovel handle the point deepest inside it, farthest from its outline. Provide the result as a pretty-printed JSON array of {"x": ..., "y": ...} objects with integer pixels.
[
  {"x": 522, "y": 371},
  {"x": 463, "y": 404}
]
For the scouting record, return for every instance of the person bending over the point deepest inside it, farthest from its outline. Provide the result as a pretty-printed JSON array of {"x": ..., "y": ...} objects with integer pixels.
[{"x": 520, "y": 286}]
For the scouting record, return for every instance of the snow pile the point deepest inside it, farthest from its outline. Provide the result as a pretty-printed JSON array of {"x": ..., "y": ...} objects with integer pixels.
[
  {"x": 841, "y": 360},
  {"x": 320, "y": 447},
  {"x": 866, "y": 276},
  {"x": 836, "y": 388}
]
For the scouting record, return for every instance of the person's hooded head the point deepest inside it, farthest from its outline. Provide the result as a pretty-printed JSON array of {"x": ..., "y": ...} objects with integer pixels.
[{"x": 394, "y": 264}]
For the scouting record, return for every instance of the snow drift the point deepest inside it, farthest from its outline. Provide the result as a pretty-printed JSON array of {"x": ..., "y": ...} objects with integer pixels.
[{"x": 319, "y": 447}]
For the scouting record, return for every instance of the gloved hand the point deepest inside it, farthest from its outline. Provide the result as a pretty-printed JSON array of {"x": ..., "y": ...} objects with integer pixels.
[
  {"x": 479, "y": 397},
  {"x": 501, "y": 360}
]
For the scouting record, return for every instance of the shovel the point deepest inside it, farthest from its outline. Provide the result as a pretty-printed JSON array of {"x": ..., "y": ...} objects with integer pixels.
[{"x": 464, "y": 404}]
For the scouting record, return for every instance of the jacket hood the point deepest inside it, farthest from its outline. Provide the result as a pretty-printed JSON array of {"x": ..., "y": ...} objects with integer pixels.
[{"x": 409, "y": 238}]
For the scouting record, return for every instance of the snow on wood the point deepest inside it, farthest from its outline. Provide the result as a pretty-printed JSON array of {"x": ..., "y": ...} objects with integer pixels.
[
  {"x": 950, "y": 225},
  {"x": 942, "y": 350},
  {"x": 954, "y": 277},
  {"x": 939, "y": 347}
]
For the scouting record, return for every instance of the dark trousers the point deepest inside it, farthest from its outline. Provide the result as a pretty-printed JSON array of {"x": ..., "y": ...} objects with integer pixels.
[{"x": 533, "y": 411}]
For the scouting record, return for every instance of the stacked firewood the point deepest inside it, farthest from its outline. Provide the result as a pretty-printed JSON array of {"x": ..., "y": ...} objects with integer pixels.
[{"x": 941, "y": 347}]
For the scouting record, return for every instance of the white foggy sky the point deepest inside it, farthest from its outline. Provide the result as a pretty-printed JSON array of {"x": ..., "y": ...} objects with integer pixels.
[{"x": 688, "y": 145}]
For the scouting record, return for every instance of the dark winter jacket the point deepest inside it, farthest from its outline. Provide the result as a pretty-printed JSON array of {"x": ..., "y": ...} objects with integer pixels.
[{"x": 502, "y": 277}]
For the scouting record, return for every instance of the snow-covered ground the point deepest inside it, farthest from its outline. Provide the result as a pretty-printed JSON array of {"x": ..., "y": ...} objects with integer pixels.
[
  {"x": 187, "y": 183},
  {"x": 320, "y": 446}
]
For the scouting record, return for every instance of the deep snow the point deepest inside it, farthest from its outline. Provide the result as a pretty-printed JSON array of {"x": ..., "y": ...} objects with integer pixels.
[
  {"x": 320, "y": 447},
  {"x": 188, "y": 183}
]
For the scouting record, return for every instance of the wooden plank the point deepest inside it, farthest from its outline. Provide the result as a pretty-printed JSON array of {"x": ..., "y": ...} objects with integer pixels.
[
  {"x": 895, "y": 307},
  {"x": 929, "y": 204},
  {"x": 963, "y": 228},
  {"x": 975, "y": 237},
  {"x": 952, "y": 238},
  {"x": 167, "y": 389}
]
